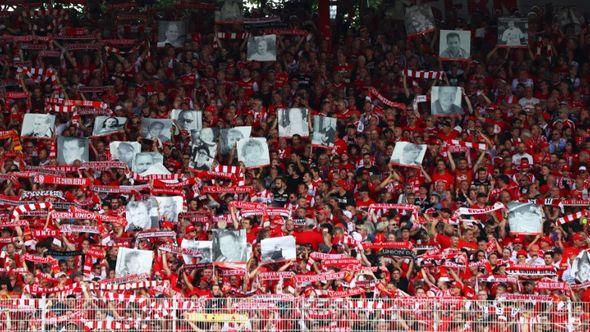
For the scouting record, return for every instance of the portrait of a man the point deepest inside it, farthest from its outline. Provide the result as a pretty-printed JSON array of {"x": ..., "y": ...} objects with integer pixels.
[
  {"x": 124, "y": 151},
  {"x": 38, "y": 125},
  {"x": 229, "y": 245},
  {"x": 188, "y": 120},
  {"x": 171, "y": 33},
  {"x": 169, "y": 207},
  {"x": 525, "y": 218},
  {"x": 146, "y": 161},
  {"x": 230, "y": 11},
  {"x": 72, "y": 149},
  {"x": 408, "y": 154},
  {"x": 262, "y": 48},
  {"x": 156, "y": 129},
  {"x": 229, "y": 137},
  {"x": 324, "y": 131},
  {"x": 512, "y": 32},
  {"x": 419, "y": 19},
  {"x": 133, "y": 261},
  {"x": 293, "y": 121},
  {"x": 455, "y": 44},
  {"x": 253, "y": 152},
  {"x": 580, "y": 269},
  {"x": 141, "y": 214},
  {"x": 445, "y": 101}
]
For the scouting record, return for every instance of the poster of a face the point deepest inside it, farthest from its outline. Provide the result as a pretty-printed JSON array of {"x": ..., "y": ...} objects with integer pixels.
[
  {"x": 229, "y": 246},
  {"x": 455, "y": 44},
  {"x": 70, "y": 149},
  {"x": 188, "y": 120},
  {"x": 201, "y": 158},
  {"x": 324, "y": 131},
  {"x": 133, "y": 261},
  {"x": 293, "y": 121},
  {"x": 408, "y": 154},
  {"x": 142, "y": 214},
  {"x": 38, "y": 125},
  {"x": 171, "y": 32},
  {"x": 205, "y": 247},
  {"x": 253, "y": 152},
  {"x": 230, "y": 136},
  {"x": 147, "y": 161},
  {"x": 262, "y": 48},
  {"x": 277, "y": 249},
  {"x": 513, "y": 32},
  {"x": 581, "y": 267},
  {"x": 124, "y": 151},
  {"x": 156, "y": 129},
  {"x": 525, "y": 218},
  {"x": 419, "y": 19},
  {"x": 169, "y": 207},
  {"x": 105, "y": 125},
  {"x": 446, "y": 101},
  {"x": 229, "y": 11}
]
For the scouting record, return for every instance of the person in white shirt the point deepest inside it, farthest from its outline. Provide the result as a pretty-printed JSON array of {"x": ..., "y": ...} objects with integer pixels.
[
  {"x": 513, "y": 36},
  {"x": 521, "y": 154},
  {"x": 528, "y": 101}
]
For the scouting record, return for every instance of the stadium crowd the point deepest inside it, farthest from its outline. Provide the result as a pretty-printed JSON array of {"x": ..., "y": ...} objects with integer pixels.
[{"x": 451, "y": 226}]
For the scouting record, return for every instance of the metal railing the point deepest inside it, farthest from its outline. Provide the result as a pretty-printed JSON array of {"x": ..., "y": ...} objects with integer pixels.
[{"x": 280, "y": 313}]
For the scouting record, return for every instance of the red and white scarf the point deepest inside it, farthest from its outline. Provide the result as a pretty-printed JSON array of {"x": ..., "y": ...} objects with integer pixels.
[{"x": 422, "y": 74}]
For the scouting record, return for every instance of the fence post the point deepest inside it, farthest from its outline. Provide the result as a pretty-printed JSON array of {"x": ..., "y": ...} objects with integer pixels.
[
  {"x": 174, "y": 306},
  {"x": 43, "y": 312},
  {"x": 570, "y": 317},
  {"x": 436, "y": 317}
]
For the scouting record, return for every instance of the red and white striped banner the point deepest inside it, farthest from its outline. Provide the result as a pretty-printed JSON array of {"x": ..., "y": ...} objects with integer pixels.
[
  {"x": 31, "y": 207},
  {"x": 471, "y": 145},
  {"x": 572, "y": 217},
  {"x": 424, "y": 74},
  {"x": 233, "y": 35}
]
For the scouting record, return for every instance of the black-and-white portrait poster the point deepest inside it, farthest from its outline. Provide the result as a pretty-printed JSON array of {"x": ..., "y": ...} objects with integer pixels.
[
  {"x": 229, "y": 246},
  {"x": 525, "y": 218},
  {"x": 148, "y": 162},
  {"x": 455, "y": 44},
  {"x": 419, "y": 19},
  {"x": 253, "y": 152},
  {"x": 324, "y": 131},
  {"x": 71, "y": 149},
  {"x": 204, "y": 148},
  {"x": 142, "y": 214},
  {"x": 38, "y": 125},
  {"x": 580, "y": 269},
  {"x": 513, "y": 32},
  {"x": 570, "y": 16},
  {"x": 277, "y": 249},
  {"x": 202, "y": 157},
  {"x": 106, "y": 125},
  {"x": 205, "y": 248},
  {"x": 231, "y": 136},
  {"x": 189, "y": 120},
  {"x": 156, "y": 129},
  {"x": 124, "y": 151},
  {"x": 446, "y": 101},
  {"x": 133, "y": 261},
  {"x": 230, "y": 11},
  {"x": 172, "y": 33},
  {"x": 262, "y": 48},
  {"x": 169, "y": 207},
  {"x": 293, "y": 121},
  {"x": 408, "y": 154}
]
